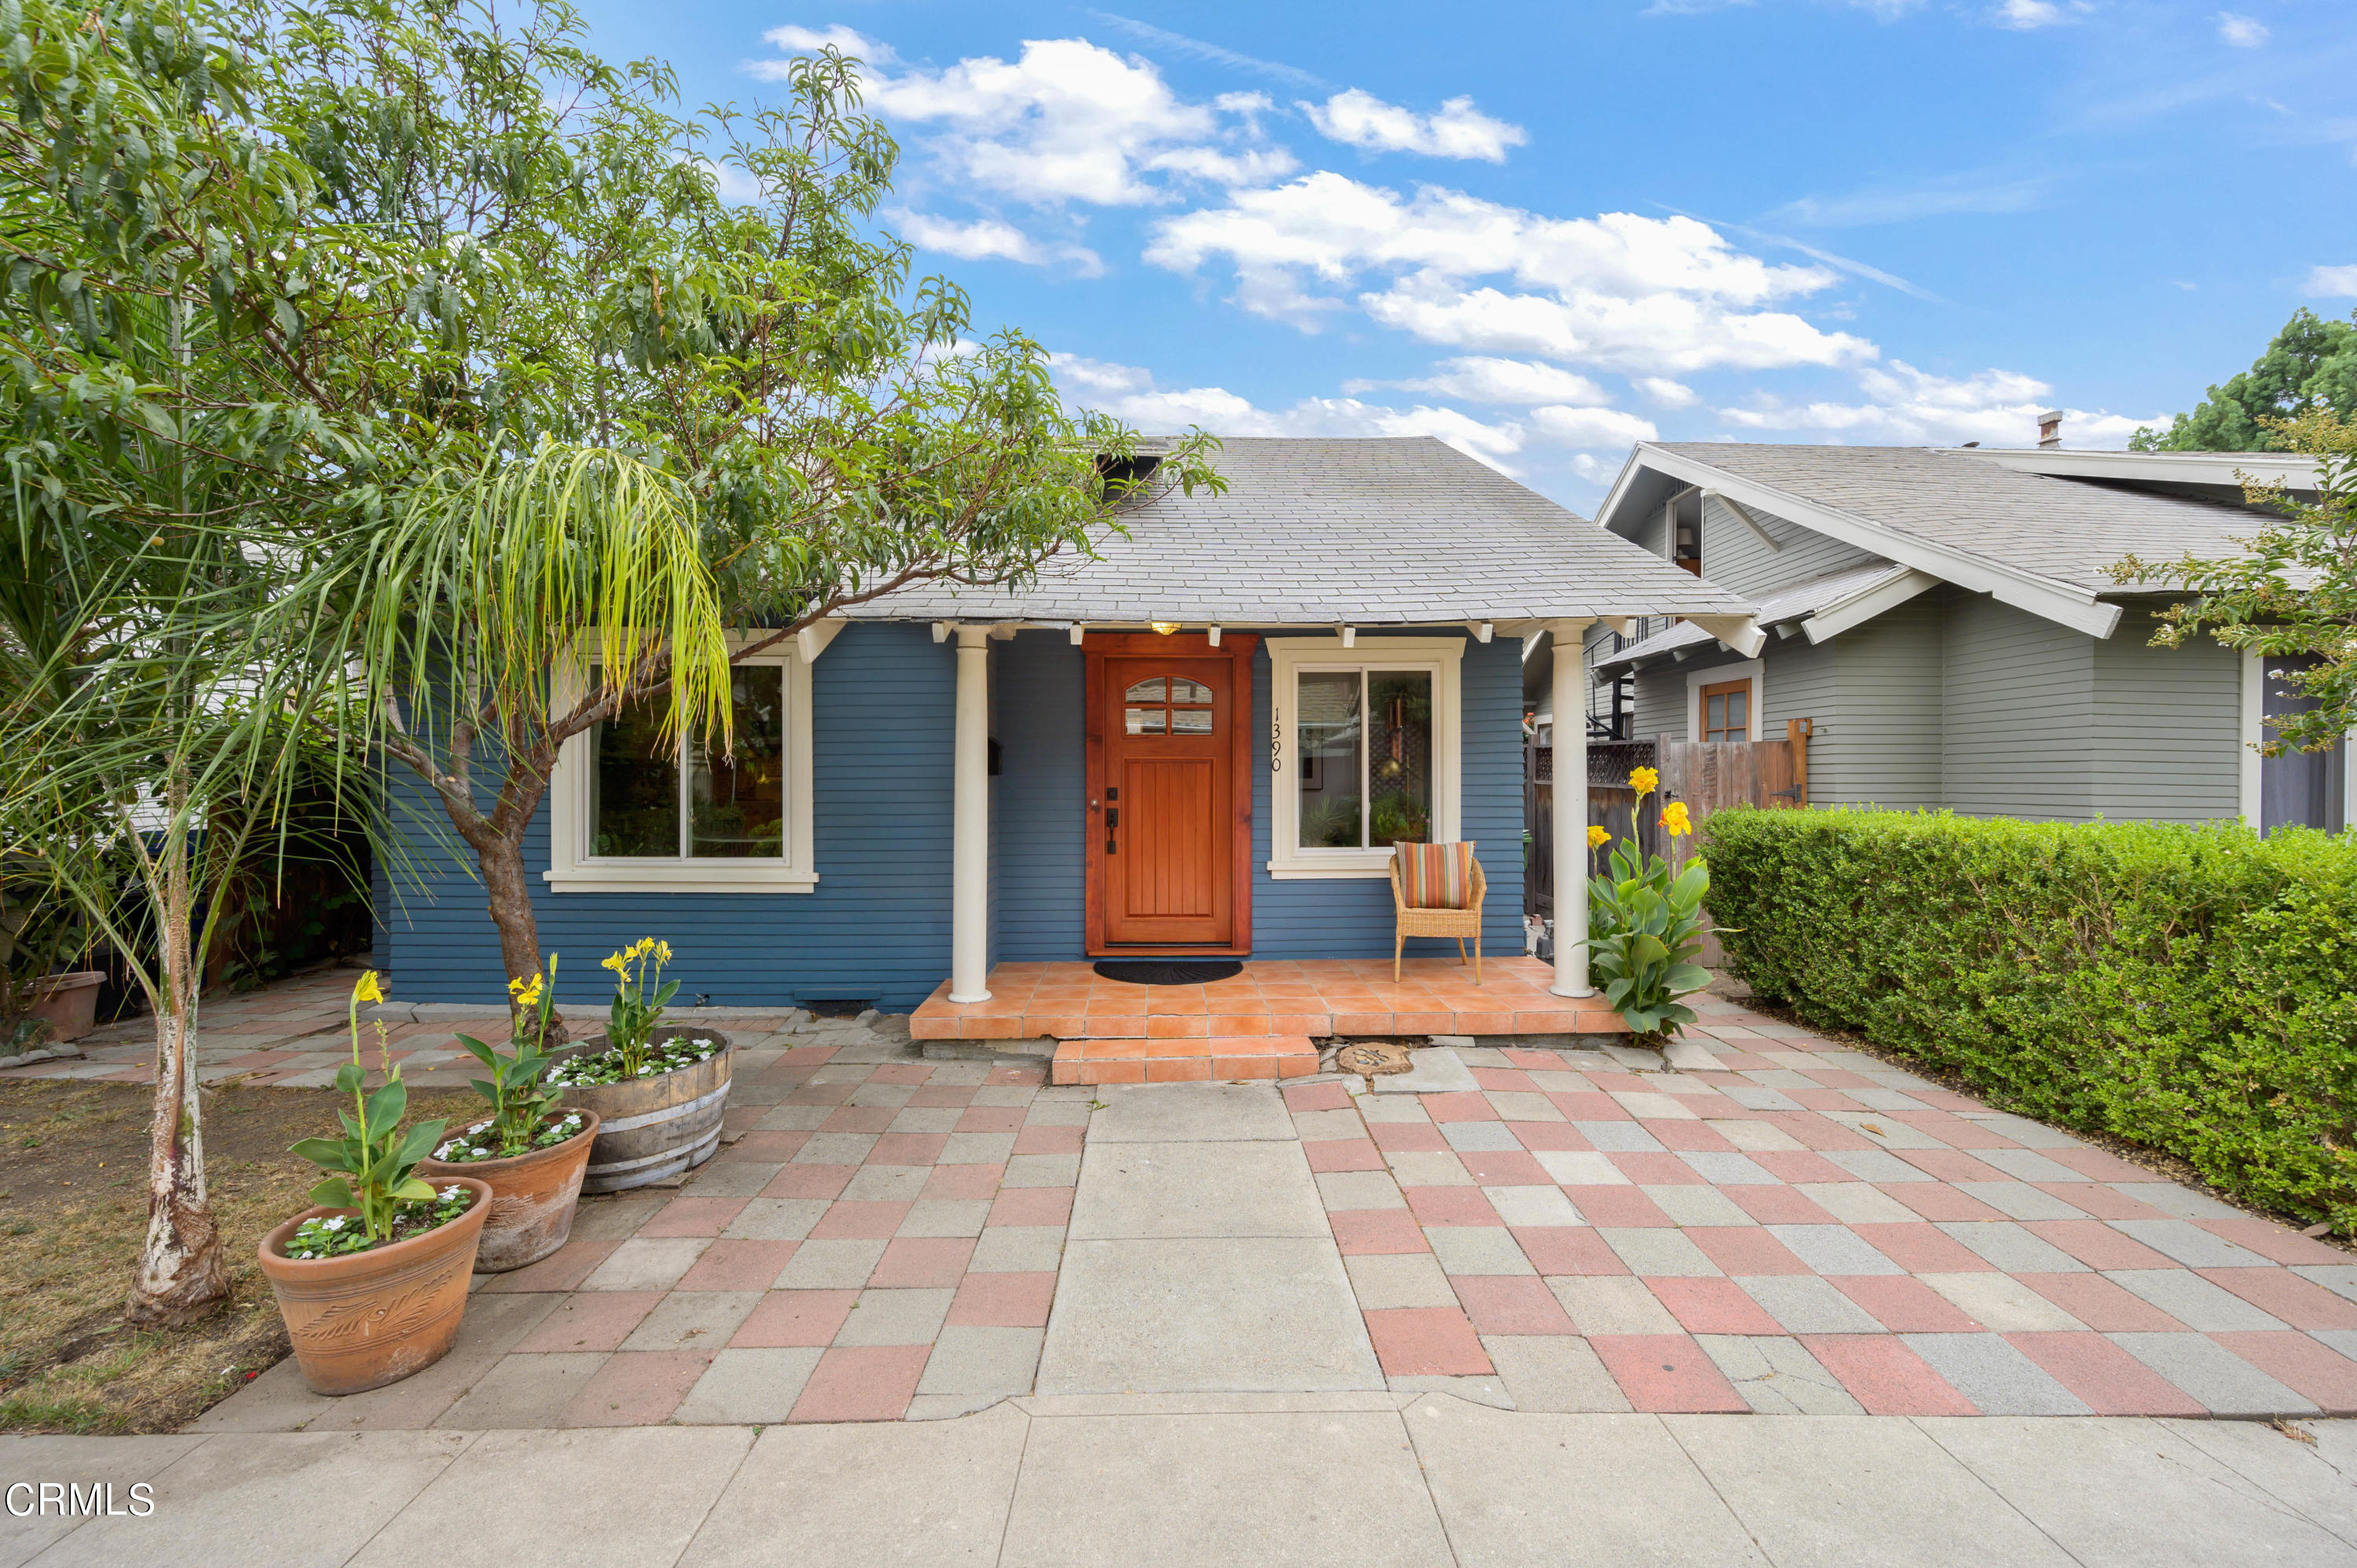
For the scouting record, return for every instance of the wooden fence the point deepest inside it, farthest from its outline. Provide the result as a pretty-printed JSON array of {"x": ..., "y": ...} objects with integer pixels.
[{"x": 1706, "y": 775}]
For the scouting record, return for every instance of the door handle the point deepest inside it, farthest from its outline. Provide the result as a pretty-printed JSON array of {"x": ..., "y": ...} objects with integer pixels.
[{"x": 1113, "y": 816}]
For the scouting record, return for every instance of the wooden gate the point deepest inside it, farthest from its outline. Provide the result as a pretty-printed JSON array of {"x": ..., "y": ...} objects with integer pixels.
[
  {"x": 1711, "y": 775},
  {"x": 1706, "y": 775}
]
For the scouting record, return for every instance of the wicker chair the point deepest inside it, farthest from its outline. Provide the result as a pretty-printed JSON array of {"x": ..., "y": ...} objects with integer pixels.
[{"x": 1416, "y": 922}]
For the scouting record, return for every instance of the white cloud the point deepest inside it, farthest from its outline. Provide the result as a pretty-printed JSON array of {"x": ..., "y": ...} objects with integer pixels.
[
  {"x": 810, "y": 40},
  {"x": 2028, "y": 16},
  {"x": 1590, "y": 427},
  {"x": 1665, "y": 392},
  {"x": 2332, "y": 283},
  {"x": 987, "y": 239},
  {"x": 1645, "y": 294},
  {"x": 1906, "y": 406},
  {"x": 2241, "y": 32},
  {"x": 1218, "y": 54},
  {"x": 1360, "y": 119},
  {"x": 1939, "y": 196},
  {"x": 1129, "y": 393},
  {"x": 1479, "y": 378},
  {"x": 1069, "y": 121}
]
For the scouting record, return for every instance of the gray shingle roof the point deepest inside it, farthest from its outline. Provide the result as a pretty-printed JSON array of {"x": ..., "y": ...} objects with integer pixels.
[
  {"x": 1341, "y": 531},
  {"x": 2067, "y": 530},
  {"x": 1795, "y": 603}
]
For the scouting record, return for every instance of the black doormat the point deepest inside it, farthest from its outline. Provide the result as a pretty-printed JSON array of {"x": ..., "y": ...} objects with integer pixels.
[{"x": 1169, "y": 970}]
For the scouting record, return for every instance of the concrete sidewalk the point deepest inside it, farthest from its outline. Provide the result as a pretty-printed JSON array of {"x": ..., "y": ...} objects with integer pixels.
[{"x": 1365, "y": 1480}]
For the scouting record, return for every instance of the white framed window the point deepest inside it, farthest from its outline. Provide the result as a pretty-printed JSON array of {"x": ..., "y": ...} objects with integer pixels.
[
  {"x": 630, "y": 813},
  {"x": 1723, "y": 702},
  {"x": 1364, "y": 749}
]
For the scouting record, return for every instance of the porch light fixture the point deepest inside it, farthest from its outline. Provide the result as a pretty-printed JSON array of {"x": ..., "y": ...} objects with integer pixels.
[{"x": 1164, "y": 627}]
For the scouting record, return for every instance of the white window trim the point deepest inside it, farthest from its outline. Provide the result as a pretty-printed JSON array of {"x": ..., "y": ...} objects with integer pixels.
[
  {"x": 1287, "y": 658},
  {"x": 571, "y": 870},
  {"x": 2252, "y": 732},
  {"x": 1752, "y": 670}
]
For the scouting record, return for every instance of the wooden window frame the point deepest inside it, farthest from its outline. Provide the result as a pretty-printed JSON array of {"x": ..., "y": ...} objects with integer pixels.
[{"x": 1703, "y": 694}]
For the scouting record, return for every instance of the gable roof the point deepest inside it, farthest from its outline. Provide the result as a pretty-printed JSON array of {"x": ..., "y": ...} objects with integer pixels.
[
  {"x": 2035, "y": 539},
  {"x": 1339, "y": 531},
  {"x": 1863, "y": 584}
]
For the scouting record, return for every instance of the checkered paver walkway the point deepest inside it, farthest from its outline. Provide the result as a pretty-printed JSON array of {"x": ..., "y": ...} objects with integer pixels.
[
  {"x": 881, "y": 1241},
  {"x": 1802, "y": 1229},
  {"x": 1791, "y": 1229}
]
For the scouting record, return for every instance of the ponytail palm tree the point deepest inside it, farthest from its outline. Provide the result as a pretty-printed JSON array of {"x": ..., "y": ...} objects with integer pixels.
[{"x": 469, "y": 606}]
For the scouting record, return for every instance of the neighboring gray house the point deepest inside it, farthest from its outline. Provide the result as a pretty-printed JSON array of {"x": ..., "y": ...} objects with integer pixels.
[{"x": 1946, "y": 619}]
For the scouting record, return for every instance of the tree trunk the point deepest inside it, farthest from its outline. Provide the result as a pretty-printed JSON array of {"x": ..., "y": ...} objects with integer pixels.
[
  {"x": 510, "y": 898},
  {"x": 180, "y": 1276}
]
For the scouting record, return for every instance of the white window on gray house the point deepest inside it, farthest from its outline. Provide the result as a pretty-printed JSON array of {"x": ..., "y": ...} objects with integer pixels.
[{"x": 657, "y": 799}]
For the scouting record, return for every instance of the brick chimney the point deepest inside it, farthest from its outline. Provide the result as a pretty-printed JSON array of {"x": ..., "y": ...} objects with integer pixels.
[{"x": 2050, "y": 430}]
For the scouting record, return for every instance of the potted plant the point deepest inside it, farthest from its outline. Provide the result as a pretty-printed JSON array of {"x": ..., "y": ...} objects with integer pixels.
[
  {"x": 1645, "y": 927},
  {"x": 659, "y": 1089},
  {"x": 374, "y": 1278},
  {"x": 530, "y": 1152}
]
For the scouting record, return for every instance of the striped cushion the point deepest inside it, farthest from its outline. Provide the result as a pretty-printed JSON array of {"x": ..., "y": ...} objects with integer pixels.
[{"x": 1436, "y": 875}]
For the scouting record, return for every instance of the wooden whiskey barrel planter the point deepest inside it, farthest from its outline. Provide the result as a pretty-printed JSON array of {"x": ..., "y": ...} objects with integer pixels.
[{"x": 654, "y": 1127}]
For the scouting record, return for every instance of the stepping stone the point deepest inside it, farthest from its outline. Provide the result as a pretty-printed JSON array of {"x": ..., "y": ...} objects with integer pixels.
[{"x": 1435, "y": 1070}]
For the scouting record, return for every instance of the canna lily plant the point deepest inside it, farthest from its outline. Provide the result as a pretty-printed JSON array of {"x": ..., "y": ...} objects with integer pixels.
[
  {"x": 640, "y": 998},
  {"x": 522, "y": 1097},
  {"x": 1645, "y": 926},
  {"x": 373, "y": 1168}
]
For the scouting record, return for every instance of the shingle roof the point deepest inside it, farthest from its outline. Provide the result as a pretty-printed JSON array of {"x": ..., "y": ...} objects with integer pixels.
[
  {"x": 1341, "y": 531},
  {"x": 1795, "y": 603},
  {"x": 2067, "y": 530}
]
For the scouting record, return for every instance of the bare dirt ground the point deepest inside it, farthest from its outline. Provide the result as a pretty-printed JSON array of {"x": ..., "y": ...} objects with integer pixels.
[{"x": 73, "y": 1164}]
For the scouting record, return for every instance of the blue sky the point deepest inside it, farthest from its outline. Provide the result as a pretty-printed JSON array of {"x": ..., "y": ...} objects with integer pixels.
[{"x": 1542, "y": 232}]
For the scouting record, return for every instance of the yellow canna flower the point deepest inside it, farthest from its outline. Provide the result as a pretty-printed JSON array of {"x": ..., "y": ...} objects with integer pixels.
[
  {"x": 1644, "y": 781},
  {"x": 616, "y": 962},
  {"x": 367, "y": 989},
  {"x": 1598, "y": 837},
  {"x": 662, "y": 953},
  {"x": 528, "y": 997},
  {"x": 1673, "y": 819}
]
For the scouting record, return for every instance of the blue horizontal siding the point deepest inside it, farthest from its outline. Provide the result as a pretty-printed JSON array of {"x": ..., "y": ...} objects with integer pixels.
[{"x": 878, "y": 926}]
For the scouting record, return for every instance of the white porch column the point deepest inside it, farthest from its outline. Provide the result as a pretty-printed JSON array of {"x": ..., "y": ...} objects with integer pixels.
[
  {"x": 970, "y": 829},
  {"x": 1570, "y": 653}
]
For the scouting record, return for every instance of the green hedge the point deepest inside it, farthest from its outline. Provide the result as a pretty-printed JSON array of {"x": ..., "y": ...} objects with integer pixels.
[{"x": 2194, "y": 989}]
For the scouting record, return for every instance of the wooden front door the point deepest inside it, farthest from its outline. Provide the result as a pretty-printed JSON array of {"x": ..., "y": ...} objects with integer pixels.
[{"x": 1170, "y": 817}]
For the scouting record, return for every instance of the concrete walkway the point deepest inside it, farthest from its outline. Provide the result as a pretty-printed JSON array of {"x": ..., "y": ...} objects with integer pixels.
[{"x": 1352, "y": 1480}]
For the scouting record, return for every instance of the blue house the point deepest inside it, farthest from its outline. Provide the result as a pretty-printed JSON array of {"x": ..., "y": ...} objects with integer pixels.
[{"x": 1202, "y": 741}]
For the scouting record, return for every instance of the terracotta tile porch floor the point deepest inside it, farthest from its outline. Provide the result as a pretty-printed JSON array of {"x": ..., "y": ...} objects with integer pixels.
[{"x": 1308, "y": 999}]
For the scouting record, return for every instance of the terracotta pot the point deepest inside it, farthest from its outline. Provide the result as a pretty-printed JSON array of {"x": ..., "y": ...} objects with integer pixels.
[
  {"x": 532, "y": 1197},
  {"x": 70, "y": 1002},
  {"x": 654, "y": 1127},
  {"x": 366, "y": 1319}
]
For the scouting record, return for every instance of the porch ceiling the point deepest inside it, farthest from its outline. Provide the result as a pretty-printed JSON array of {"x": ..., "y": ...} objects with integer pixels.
[{"x": 1326, "y": 532}]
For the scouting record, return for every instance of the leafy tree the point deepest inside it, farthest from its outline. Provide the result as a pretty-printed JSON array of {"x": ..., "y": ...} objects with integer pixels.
[
  {"x": 167, "y": 417},
  {"x": 2311, "y": 364},
  {"x": 2293, "y": 594},
  {"x": 801, "y": 424}
]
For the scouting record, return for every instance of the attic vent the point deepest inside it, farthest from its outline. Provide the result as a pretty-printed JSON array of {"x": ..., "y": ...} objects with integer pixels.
[{"x": 1118, "y": 475}]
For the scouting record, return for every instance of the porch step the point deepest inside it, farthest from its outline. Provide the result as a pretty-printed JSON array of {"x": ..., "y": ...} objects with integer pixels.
[{"x": 1181, "y": 1061}]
